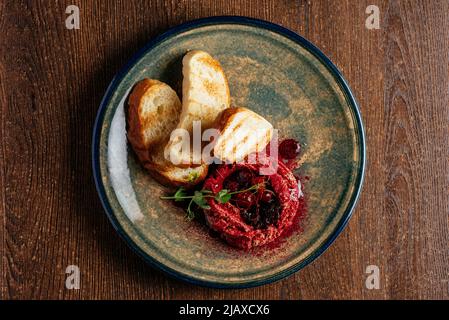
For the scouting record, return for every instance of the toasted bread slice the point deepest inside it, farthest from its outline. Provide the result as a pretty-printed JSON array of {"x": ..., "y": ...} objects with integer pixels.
[
  {"x": 242, "y": 133},
  {"x": 154, "y": 110},
  {"x": 205, "y": 94}
]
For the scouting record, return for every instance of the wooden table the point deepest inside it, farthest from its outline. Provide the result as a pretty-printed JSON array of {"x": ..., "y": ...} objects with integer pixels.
[{"x": 52, "y": 80}]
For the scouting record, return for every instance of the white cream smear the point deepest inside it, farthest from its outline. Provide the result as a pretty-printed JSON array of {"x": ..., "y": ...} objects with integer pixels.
[{"x": 118, "y": 165}]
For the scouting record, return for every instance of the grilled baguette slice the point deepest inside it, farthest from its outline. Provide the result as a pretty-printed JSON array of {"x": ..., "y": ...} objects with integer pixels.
[
  {"x": 205, "y": 94},
  {"x": 242, "y": 132},
  {"x": 153, "y": 112}
]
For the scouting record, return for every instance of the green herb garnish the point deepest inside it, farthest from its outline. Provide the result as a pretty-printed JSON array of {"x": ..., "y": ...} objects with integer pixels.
[
  {"x": 180, "y": 194},
  {"x": 199, "y": 197},
  {"x": 223, "y": 196}
]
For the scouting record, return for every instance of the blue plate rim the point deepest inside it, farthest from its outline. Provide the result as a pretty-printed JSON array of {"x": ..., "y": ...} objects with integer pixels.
[{"x": 244, "y": 21}]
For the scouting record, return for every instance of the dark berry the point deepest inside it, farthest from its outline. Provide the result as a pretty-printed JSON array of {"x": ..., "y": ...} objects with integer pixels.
[
  {"x": 269, "y": 213},
  {"x": 267, "y": 196},
  {"x": 251, "y": 216},
  {"x": 289, "y": 149},
  {"x": 244, "y": 199}
]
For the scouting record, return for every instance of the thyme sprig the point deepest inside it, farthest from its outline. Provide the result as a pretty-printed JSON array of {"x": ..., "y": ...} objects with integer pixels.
[{"x": 200, "y": 197}]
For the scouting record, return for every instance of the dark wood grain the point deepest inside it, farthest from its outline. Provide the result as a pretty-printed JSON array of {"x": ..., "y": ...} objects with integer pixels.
[{"x": 52, "y": 81}]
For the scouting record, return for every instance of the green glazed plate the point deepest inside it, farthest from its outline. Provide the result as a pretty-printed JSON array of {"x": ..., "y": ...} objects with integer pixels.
[{"x": 274, "y": 72}]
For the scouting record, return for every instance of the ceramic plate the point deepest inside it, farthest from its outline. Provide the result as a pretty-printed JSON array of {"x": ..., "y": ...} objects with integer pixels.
[{"x": 283, "y": 77}]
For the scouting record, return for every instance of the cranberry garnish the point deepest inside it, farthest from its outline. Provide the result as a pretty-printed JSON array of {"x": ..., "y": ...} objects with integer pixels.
[
  {"x": 267, "y": 196},
  {"x": 289, "y": 149},
  {"x": 244, "y": 199}
]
